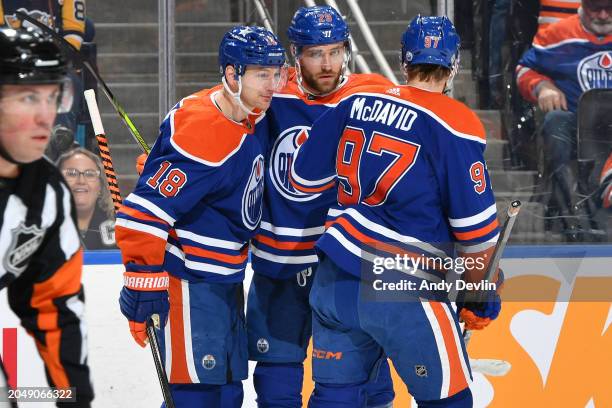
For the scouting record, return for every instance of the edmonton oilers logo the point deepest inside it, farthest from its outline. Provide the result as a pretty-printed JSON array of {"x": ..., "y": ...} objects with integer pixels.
[
  {"x": 595, "y": 71},
  {"x": 281, "y": 159},
  {"x": 209, "y": 362},
  {"x": 253, "y": 192}
]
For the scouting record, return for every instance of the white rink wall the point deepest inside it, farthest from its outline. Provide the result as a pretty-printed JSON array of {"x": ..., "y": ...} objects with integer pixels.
[{"x": 544, "y": 341}]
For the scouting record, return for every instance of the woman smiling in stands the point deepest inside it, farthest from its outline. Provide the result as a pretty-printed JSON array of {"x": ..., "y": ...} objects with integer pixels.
[{"x": 83, "y": 173}]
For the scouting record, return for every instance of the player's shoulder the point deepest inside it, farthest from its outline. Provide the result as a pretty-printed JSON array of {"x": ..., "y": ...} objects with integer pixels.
[
  {"x": 567, "y": 30},
  {"x": 199, "y": 131},
  {"x": 453, "y": 115},
  {"x": 357, "y": 80}
]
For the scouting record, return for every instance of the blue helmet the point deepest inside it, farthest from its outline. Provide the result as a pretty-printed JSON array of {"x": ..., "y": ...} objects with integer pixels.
[
  {"x": 242, "y": 46},
  {"x": 430, "y": 40},
  {"x": 317, "y": 25}
]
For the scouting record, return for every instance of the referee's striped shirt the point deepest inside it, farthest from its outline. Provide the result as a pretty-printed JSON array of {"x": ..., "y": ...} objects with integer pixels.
[{"x": 41, "y": 263}]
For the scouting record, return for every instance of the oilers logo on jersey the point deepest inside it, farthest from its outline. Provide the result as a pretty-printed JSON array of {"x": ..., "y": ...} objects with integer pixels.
[
  {"x": 595, "y": 71},
  {"x": 253, "y": 193},
  {"x": 280, "y": 162}
]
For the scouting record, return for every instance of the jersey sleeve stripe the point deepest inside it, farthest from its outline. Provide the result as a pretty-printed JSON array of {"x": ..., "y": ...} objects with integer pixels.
[
  {"x": 288, "y": 245},
  {"x": 474, "y": 219},
  {"x": 479, "y": 247},
  {"x": 155, "y": 210},
  {"x": 386, "y": 232},
  {"x": 136, "y": 226},
  {"x": 215, "y": 242},
  {"x": 225, "y": 258},
  {"x": 478, "y": 233},
  {"x": 140, "y": 216},
  {"x": 560, "y": 43},
  {"x": 285, "y": 259},
  {"x": 293, "y": 232}
]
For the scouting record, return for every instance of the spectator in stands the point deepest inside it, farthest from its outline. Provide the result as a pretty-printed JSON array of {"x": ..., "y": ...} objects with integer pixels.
[
  {"x": 567, "y": 58},
  {"x": 552, "y": 11},
  {"x": 83, "y": 172}
]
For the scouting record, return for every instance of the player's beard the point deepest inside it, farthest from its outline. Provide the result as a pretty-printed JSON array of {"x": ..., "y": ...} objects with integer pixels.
[{"x": 311, "y": 82}]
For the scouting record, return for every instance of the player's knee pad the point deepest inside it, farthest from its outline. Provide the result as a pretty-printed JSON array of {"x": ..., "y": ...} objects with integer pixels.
[
  {"x": 379, "y": 389},
  {"x": 338, "y": 396},
  {"x": 207, "y": 395},
  {"x": 462, "y": 399},
  {"x": 278, "y": 385}
]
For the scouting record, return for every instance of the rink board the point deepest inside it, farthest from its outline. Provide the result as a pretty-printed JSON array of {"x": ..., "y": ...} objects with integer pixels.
[{"x": 561, "y": 352}]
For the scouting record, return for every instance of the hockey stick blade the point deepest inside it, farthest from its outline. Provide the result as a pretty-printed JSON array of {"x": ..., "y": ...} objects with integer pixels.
[
  {"x": 490, "y": 367},
  {"x": 75, "y": 55}
]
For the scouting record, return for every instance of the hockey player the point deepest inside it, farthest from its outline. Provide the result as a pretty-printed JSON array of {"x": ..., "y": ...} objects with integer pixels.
[
  {"x": 67, "y": 16},
  {"x": 184, "y": 231},
  {"x": 407, "y": 165},
  {"x": 39, "y": 241},
  {"x": 283, "y": 254}
]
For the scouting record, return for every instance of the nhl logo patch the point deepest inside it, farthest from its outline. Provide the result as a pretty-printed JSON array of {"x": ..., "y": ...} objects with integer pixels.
[
  {"x": 263, "y": 346},
  {"x": 420, "y": 370},
  {"x": 209, "y": 362},
  {"x": 25, "y": 241}
]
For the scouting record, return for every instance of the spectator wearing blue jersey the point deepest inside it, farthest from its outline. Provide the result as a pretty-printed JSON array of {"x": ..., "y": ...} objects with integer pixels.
[{"x": 566, "y": 59}]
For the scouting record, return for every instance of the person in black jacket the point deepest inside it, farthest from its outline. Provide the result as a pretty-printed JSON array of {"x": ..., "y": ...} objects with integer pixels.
[
  {"x": 84, "y": 174},
  {"x": 40, "y": 253}
]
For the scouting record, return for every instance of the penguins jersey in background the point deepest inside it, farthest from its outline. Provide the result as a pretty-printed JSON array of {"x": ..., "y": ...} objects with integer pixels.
[
  {"x": 198, "y": 201},
  {"x": 292, "y": 220},
  {"x": 408, "y": 169},
  {"x": 41, "y": 265},
  {"x": 66, "y": 16}
]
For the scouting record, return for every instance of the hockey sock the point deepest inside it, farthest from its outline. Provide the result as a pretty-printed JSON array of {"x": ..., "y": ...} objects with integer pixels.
[
  {"x": 206, "y": 395},
  {"x": 380, "y": 388},
  {"x": 462, "y": 399},
  {"x": 338, "y": 396},
  {"x": 278, "y": 385}
]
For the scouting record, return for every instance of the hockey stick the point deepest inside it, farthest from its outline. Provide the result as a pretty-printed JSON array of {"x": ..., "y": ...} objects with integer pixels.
[
  {"x": 107, "y": 161},
  {"x": 96, "y": 120},
  {"x": 152, "y": 323},
  {"x": 491, "y": 366},
  {"x": 76, "y": 56}
]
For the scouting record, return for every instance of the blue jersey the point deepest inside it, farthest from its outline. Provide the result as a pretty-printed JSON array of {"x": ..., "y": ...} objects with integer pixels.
[
  {"x": 198, "y": 200},
  {"x": 292, "y": 220},
  {"x": 574, "y": 59},
  {"x": 408, "y": 169}
]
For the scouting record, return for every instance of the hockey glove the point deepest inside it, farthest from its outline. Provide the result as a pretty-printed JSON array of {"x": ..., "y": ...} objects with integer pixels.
[
  {"x": 140, "y": 163},
  {"x": 478, "y": 315},
  {"x": 143, "y": 295}
]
